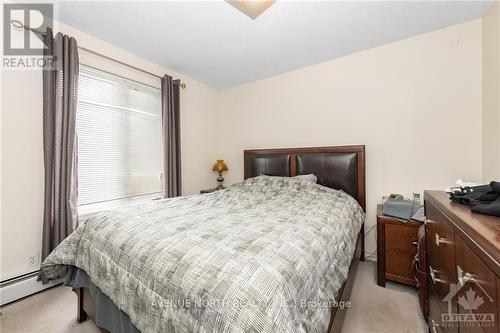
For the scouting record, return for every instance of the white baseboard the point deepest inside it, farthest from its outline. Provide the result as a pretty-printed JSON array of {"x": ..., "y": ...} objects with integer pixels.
[{"x": 15, "y": 289}]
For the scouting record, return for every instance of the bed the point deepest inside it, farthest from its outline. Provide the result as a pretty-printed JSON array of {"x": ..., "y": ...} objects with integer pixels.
[{"x": 272, "y": 253}]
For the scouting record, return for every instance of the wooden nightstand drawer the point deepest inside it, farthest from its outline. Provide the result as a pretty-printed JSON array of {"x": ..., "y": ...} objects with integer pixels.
[
  {"x": 400, "y": 250},
  {"x": 396, "y": 249},
  {"x": 401, "y": 237}
]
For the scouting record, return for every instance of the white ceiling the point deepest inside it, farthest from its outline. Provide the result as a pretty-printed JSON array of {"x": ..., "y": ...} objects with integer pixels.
[{"x": 213, "y": 42}]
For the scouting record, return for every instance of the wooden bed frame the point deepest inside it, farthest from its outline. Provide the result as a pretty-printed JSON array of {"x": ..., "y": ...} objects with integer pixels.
[{"x": 86, "y": 304}]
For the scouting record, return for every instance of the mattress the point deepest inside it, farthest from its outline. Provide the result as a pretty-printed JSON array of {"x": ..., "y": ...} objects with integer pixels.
[{"x": 265, "y": 255}]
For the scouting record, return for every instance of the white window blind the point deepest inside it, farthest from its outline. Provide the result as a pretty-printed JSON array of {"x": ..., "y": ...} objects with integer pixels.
[{"x": 118, "y": 127}]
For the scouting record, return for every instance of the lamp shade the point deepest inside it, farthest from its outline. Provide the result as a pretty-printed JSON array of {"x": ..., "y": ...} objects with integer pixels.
[{"x": 220, "y": 166}]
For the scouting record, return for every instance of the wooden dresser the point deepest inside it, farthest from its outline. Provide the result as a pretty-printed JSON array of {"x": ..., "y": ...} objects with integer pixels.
[{"x": 463, "y": 256}]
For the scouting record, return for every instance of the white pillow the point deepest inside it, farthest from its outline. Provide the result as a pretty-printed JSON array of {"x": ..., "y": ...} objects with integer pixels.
[{"x": 308, "y": 178}]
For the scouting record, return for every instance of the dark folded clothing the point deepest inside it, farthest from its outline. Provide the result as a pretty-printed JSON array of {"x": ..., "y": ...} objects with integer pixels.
[
  {"x": 470, "y": 195},
  {"x": 492, "y": 208},
  {"x": 488, "y": 196},
  {"x": 484, "y": 199},
  {"x": 495, "y": 186}
]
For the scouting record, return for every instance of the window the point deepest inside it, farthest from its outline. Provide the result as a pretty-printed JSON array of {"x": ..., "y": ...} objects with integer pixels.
[{"x": 118, "y": 127}]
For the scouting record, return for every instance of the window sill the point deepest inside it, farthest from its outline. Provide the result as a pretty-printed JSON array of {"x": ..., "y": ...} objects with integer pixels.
[{"x": 87, "y": 211}]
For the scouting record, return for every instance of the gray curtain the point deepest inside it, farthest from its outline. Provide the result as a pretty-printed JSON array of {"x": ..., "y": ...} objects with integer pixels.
[
  {"x": 171, "y": 137},
  {"x": 59, "y": 141}
]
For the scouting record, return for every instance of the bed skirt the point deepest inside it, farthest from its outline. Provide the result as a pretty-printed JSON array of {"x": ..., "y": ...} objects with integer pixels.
[{"x": 108, "y": 315}]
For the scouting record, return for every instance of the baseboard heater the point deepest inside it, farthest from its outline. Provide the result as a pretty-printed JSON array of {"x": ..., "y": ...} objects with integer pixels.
[{"x": 19, "y": 287}]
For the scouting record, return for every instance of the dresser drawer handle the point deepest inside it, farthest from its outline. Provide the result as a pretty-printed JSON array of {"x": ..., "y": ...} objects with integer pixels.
[
  {"x": 433, "y": 326},
  {"x": 414, "y": 243},
  {"x": 463, "y": 276},
  {"x": 441, "y": 240},
  {"x": 432, "y": 273}
]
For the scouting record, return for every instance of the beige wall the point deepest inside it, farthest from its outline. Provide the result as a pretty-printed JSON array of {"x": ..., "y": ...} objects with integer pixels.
[
  {"x": 415, "y": 104},
  {"x": 491, "y": 93},
  {"x": 21, "y": 171},
  {"x": 22, "y": 152}
]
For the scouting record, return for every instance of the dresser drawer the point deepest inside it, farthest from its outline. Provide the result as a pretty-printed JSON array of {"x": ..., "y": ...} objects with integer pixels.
[
  {"x": 436, "y": 308},
  {"x": 477, "y": 293},
  {"x": 440, "y": 250}
]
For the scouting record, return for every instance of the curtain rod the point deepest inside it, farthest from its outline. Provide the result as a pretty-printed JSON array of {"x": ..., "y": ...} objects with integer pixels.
[
  {"x": 19, "y": 25},
  {"x": 181, "y": 84}
]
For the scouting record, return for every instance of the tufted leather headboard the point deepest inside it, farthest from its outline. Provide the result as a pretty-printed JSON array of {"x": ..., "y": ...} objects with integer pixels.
[{"x": 341, "y": 167}]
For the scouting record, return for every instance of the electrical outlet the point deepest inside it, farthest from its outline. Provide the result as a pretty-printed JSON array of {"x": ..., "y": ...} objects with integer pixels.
[{"x": 33, "y": 259}]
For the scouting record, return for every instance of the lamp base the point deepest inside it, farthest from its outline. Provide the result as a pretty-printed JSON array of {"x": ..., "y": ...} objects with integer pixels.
[{"x": 220, "y": 179}]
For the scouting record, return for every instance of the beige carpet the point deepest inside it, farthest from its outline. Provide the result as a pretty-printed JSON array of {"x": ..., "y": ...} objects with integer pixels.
[
  {"x": 374, "y": 309},
  {"x": 393, "y": 309}
]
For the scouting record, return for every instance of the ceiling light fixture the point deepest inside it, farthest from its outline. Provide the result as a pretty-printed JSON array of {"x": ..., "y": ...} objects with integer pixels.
[{"x": 251, "y": 8}]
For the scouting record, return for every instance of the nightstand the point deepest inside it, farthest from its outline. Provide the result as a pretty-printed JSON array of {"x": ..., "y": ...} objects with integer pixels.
[
  {"x": 208, "y": 190},
  {"x": 396, "y": 248}
]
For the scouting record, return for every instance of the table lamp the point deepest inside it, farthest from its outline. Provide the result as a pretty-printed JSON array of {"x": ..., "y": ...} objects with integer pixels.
[{"x": 220, "y": 166}]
